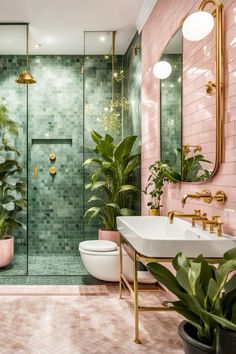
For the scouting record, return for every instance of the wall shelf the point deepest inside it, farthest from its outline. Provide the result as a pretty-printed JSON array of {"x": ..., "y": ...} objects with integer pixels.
[{"x": 67, "y": 141}]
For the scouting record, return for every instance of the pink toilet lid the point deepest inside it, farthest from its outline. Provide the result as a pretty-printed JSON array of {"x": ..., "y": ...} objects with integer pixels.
[{"x": 98, "y": 245}]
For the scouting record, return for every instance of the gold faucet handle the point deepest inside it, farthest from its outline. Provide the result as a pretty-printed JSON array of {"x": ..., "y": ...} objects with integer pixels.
[
  {"x": 216, "y": 219},
  {"x": 197, "y": 212},
  {"x": 219, "y": 229}
]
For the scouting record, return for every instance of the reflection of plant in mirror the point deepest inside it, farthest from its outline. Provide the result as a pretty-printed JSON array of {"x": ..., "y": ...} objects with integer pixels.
[
  {"x": 192, "y": 169},
  {"x": 160, "y": 172}
]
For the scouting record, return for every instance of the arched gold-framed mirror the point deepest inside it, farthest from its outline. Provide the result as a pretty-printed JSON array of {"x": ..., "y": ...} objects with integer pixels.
[{"x": 192, "y": 100}]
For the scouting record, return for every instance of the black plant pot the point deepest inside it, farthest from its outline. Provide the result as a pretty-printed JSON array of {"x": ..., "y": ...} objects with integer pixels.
[
  {"x": 191, "y": 344},
  {"x": 226, "y": 341}
]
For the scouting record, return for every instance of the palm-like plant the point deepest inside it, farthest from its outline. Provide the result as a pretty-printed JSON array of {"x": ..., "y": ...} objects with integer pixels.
[
  {"x": 112, "y": 180},
  {"x": 198, "y": 287},
  {"x": 12, "y": 189}
]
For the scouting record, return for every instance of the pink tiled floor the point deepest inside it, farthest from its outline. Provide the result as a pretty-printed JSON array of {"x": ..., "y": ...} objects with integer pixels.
[{"x": 36, "y": 321}]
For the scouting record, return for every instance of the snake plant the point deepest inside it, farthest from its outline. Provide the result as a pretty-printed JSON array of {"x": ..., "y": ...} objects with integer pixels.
[
  {"x": 112, "y": 179},
  {"x": 205, "y": 295}
]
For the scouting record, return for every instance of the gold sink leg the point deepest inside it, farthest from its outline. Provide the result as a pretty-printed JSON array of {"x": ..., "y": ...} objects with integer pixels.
[
  {"x": 120, "y": 284},
  {"x": 136, "y": 309}
]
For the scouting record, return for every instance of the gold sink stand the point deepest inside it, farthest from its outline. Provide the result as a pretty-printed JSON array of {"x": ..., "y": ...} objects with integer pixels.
[{"x": 134, "y": 290}]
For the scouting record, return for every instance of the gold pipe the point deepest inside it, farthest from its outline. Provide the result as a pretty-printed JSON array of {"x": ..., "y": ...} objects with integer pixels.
[
  {"x": 113, "y": 65},
  {"x": 136, "y": 307},
  {"x": 218, "y": 14},
  {"x": 156, "y": 308},
  {"x": 121, "y": 270}
]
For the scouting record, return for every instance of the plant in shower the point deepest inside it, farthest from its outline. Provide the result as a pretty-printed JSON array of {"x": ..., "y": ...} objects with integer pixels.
[
  {"x": 12, "y": 189},
  {"x": 112, "y": 179}
]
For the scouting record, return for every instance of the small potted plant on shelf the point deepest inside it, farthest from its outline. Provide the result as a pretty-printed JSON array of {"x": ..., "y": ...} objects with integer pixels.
[
  {"x": 205, "y": 298},
  {"x": 112, "y": 182},
  {"x": 12, "y": 189},
  {"x": 160, "y": 172}
]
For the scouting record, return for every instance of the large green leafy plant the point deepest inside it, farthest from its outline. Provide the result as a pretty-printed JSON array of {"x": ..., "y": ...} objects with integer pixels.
[
  {"x": 12, "y": 189},
  {"x": 160, "y": 172},
  {"x": 205, "y": 295},
  {"x": 112, "y": 186}
]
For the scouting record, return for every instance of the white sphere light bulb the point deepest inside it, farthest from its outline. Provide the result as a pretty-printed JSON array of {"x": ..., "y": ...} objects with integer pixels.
[
  {"x": 198, "y": 25},
  {"x": 162, "y": 69}
]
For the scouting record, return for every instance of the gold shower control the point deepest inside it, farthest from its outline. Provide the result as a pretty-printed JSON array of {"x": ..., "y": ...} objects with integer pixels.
[
  {"x": 52, "y": 156},
  {"x": 35, "y": 172},
  {"x": 52, "y": 170}
]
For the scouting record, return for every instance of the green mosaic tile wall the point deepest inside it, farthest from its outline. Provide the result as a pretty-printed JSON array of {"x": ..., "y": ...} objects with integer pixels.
[
  {"x": 171, "y": 106},
  {"x": 67, "y": 102},
  {"x": 56, "y": 112}
]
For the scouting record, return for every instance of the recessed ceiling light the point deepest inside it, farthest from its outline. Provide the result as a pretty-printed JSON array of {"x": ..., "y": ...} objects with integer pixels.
[
  {"x": 102, "y": 38},
  {"x": 38, "y": 45}
]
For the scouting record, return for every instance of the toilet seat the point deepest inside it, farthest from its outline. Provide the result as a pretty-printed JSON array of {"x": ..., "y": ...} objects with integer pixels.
[{"x": 98, "y": 247}]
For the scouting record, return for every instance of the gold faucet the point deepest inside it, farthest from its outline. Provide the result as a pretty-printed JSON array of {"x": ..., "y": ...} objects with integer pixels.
[
  {"x": 197, "y": 215},
  {"x": 205, "y": 195},
  {"x": 214, "y": 222}
]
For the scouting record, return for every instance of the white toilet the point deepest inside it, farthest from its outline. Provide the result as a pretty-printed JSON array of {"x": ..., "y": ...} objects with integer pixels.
[{"x": 101, "y": 258}]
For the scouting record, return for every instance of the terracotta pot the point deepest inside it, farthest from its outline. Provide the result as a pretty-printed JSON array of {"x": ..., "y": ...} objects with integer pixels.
[
  {"x": 109, "y": 235},
  {"x": 154, "y": 212},
  {"x": 6, "y": 251}
]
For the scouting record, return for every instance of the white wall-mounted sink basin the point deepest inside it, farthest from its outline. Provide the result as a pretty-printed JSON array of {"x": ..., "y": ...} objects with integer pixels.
[{"x": 154, "y": 236}]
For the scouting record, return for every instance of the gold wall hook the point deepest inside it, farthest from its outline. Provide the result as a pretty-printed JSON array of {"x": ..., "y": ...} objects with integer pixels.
[
  {"x": 52, "y": 170},
  {"x": 210, "y": 88}
]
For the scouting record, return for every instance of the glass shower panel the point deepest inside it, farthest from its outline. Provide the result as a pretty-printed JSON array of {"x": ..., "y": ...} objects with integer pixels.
[
  {"x": 55, "y": 165},
  {"x": 98, "y": 83},
  {"x": 14, "y": 97}
]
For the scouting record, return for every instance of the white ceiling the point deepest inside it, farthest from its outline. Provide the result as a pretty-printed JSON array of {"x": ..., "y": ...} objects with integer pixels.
[{"x": 59, "y": 25}]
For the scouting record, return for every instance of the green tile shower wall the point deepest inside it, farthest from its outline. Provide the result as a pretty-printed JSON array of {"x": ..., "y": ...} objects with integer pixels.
[
  {"x": 64, "y": 106},
  {"x": 56, "y": 112},
  {"x": 171, "y": 109}
]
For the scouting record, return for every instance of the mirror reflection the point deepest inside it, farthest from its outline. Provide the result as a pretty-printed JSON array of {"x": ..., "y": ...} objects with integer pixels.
[{"x": 185, "y": 142}]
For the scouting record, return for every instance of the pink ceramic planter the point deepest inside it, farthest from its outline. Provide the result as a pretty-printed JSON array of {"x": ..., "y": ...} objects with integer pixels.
[
  {"x": 6, "y": 251},
  {"x": 109, "y": 235}
]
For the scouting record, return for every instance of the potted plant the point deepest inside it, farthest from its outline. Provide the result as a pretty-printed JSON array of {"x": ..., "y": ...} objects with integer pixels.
[
  {"x": 160, "y": 172},
  {"x": 198, "y": 287},
  {"x": 112, "y": 182},
  {"x": 12, "y": 189}
]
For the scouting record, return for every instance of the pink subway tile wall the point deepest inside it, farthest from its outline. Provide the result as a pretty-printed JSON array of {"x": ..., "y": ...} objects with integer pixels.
[{"x": 198, "y": 109}]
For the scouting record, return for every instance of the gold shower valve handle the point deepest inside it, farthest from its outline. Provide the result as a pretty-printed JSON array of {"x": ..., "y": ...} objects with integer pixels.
[
  {"x": 52, "y": 156},
  {"x": 220, "y": 197},
  {"x": 52, "y": 170},
  {"x": 35, "y": 172}
]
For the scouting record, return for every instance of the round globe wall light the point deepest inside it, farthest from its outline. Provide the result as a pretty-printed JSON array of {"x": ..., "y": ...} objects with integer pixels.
[
  {"x": 162, "y": 69},
  {"x": 198, "y": 25}
]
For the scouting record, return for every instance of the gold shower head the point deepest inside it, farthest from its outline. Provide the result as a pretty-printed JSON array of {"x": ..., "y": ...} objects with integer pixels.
[{"x": 25, "y": 77}]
